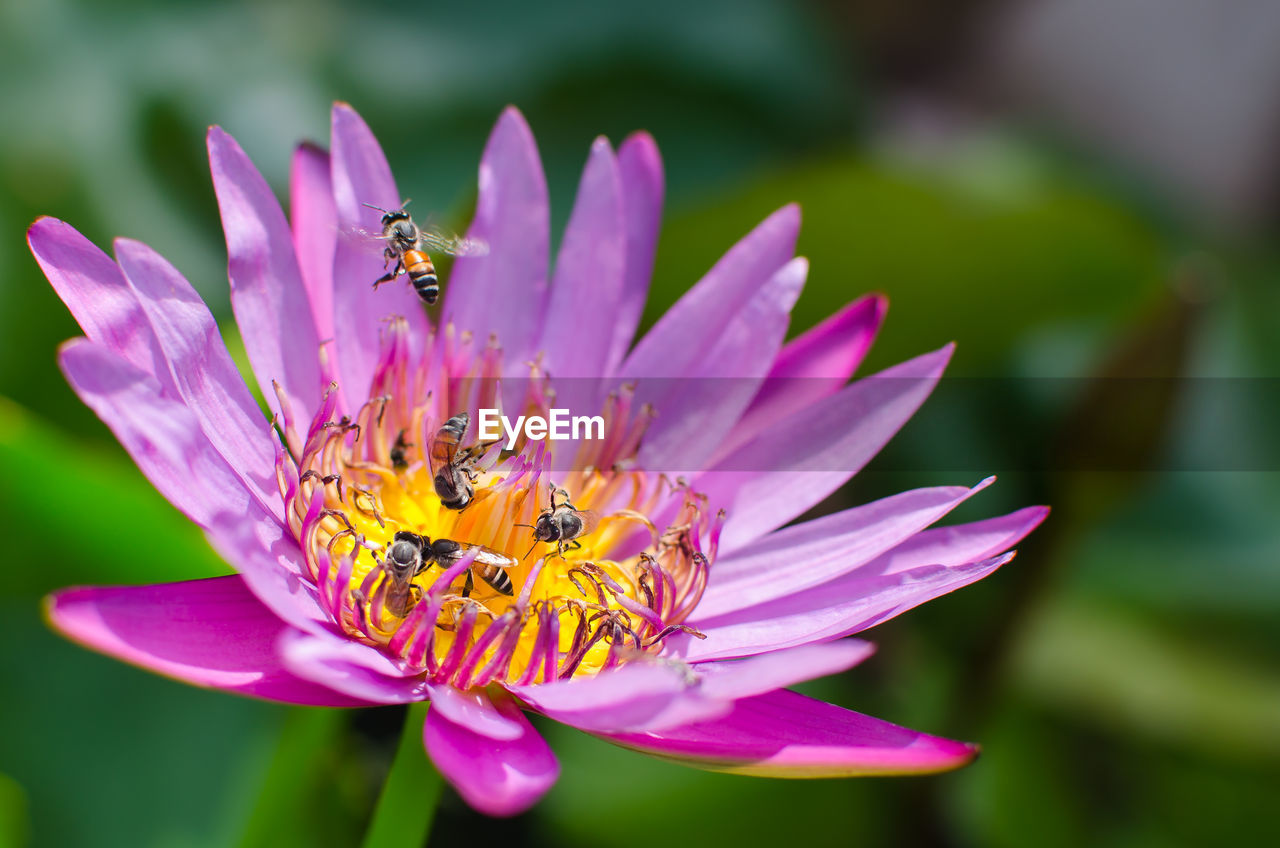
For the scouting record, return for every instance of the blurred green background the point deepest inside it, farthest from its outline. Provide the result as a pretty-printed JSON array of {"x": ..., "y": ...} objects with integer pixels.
[{"x": 1068, "y": 188}]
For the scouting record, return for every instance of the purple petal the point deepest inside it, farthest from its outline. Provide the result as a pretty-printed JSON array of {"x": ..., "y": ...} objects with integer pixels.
[
  {"x": 959, "y": 543},
  {"x": 628, "y": 696},
  {"x": 473, "y": 709},
  {"x": 678, "y": 342},
  {"x": 844, "y": 607},
  {"x": 361, "y": 175},
  {"x": 270, "y": 561},
  {"x": 504, "y": 290},
  {"x": 99, "y": 297},
  {"x": 779, "y": 669},
  {"x": 203, "y": 373},
  {"x": 497, "y": 777},
  {"x": 811, "y": 367},
  {"x": 695, "y": 417},
  {"x": 588, "y": 284},
  {"x": 210, "y": 632},
  {"x": 784, "y": 734},
  {"x": 267, "y": 295},
  {"x": 826, "y": 444},
  {"x": 797, "y": 558},
  {"x": 315, "y": 230},
  {"x": 355, "y": 669},
  {"x": 640, "y": 167},
  {"x": 719, "y": 684},
  {"x": 161, "y": 434}
]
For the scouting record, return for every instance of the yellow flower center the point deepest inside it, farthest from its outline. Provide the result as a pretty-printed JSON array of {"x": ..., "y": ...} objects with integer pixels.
[{"x": 487, "y": 592}]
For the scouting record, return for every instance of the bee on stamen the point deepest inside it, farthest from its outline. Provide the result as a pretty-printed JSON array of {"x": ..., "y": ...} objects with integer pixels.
[
  {"x": 399, "y": 452},
  {"x": 563, "y": 524},
  {"x": 454, "y": 470},
  {"x": 410, "y": 554}
]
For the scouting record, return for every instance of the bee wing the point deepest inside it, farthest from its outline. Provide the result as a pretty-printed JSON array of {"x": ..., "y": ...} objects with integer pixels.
[
  {"x": 590, "y": 518},
  {"x": 371, "y": 241},
  {"x": 441, "y": 453},
  {"x": 442, "y": 241},
  {"x": 484, "y": 556},
  {"x": 488, "y": 557}
]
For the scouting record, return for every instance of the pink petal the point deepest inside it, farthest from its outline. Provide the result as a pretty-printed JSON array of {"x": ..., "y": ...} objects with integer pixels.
[
  {"x": 270, "y": 561},
  {"x": 473, "y": 709},
  {"x": 769, "y": 481},
  {"x": 361, "y": 175},
  {"x": 722, "y": 683},
  {"x": 203, "y": 373},
  {"x": 797, "y": 558},
  {"x": 267, "y": 295},
  {"x": 212, "y": 633},
  {"x": 99, "y": 297},
  {"x": 162, "y": 435},
  {"x": 657, "y": 696},
  {"x": 513, "y": 219},
  {"x": 779, "y": 669},
  {"x": 640, "y": 168},
  {"x": 784, "y": 734},
  {"x": 678, "y": 342},
  {"x": 811, "y": 367},
  {"x": 497, "y": 777},
  {"x": 959, "y": 543},
  {"x": 355, "y": 669},
  {"x": 841, "y": 608},
  {"x": 695, "y": 414},
  {"x": 588, "y": 282},
  {"x": 627, "y": 696},
  {"x": 315, "y": 230}
]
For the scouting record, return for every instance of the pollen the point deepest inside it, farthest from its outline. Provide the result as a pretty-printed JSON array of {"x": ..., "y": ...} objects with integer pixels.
[{"x": 473, "y": 564}]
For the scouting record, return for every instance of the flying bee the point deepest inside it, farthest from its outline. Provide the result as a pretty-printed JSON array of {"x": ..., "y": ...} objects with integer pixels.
[
  {"x": 563, "y": 523},
  {"x": 407, "y": 246},
  {"x": 453, "y": 470},
  {"x": 410, "y": 554}
]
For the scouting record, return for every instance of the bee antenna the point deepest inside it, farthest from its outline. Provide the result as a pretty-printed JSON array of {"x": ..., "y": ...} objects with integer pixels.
[
  {"x": 526, "y": 525},
  {"x": 378, "y": 208},
  {"x": 406, "y": 203},
  {"x": 531, "y": 547}
]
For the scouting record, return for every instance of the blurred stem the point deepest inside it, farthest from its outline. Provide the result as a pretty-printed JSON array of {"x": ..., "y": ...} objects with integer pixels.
[
  {"x": 285, "y": 804},
  {"x": 408, "y": 800}
]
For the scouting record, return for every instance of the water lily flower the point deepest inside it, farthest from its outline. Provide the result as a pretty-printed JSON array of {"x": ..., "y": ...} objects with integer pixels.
[{"x": 672, "y": 624}]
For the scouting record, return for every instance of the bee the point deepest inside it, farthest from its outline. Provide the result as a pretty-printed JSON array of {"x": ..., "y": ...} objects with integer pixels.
[
  {"x": 405, "y": 559},
  {"x": 455, "y": 470},
  {"x": 400, "y": 452},
  {"x": 489, "y": 565},
  {"x": 562, "y": 524},
  {"x": 410, "y": 554},
  {"x": 407, "y": 245}
]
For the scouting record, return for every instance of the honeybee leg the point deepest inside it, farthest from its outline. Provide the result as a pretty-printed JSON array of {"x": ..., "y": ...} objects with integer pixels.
[
  {"x": 389, "y": 276},
  {"x": 468, "y": 586}
]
